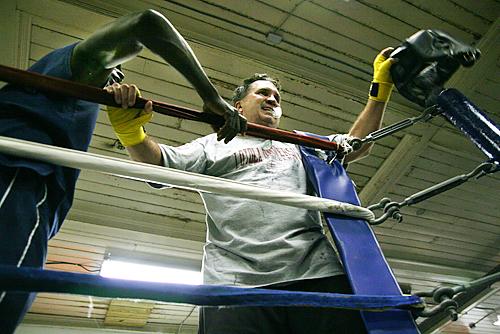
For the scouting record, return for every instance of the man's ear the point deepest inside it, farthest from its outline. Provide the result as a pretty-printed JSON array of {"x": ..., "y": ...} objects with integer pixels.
[{"x": 238, "y": 107}]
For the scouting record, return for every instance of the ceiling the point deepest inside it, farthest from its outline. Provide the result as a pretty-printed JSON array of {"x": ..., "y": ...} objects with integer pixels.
[{"x": 324, "y": 63}]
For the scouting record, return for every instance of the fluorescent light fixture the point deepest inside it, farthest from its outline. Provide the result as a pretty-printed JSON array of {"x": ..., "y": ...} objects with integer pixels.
[
  {"x": 149, "y": 273},
  {"x": 497, "y": 323}
]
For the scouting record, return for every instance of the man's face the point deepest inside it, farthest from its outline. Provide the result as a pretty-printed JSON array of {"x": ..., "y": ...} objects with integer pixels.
[{"x": 261, "y": 105}]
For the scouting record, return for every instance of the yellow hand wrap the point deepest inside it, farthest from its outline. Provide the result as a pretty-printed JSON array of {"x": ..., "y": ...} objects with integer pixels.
[
  {"x": 128, "y": 124},
  {"x": 381, "y": 87}
]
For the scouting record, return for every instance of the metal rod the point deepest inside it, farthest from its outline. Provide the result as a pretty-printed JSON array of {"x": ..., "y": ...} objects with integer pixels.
[{"x": 393, "y": 128}]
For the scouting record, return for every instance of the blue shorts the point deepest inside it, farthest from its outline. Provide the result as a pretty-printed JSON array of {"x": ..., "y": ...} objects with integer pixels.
[{"x": 25, "y": 224}]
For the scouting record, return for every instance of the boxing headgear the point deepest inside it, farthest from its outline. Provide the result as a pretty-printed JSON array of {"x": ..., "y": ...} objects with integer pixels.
[{"x": 426, "y": 60}]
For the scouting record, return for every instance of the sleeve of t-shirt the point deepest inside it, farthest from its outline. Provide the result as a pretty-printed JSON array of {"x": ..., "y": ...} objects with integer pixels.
[{"x": 189, "y": 157}]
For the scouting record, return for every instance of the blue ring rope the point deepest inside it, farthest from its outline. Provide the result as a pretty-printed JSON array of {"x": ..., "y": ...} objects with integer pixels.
[{"x": 38, "y": 280}]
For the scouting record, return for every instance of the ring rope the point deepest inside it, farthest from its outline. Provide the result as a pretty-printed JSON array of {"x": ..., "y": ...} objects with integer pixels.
[
  {"x": 173, "y": 177},
  {"x": 84, "y": 92},
  {"x": 38, "y": 280}
]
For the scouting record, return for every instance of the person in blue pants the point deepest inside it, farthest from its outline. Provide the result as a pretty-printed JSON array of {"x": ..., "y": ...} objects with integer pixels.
[{"x": 35, "y": 197}]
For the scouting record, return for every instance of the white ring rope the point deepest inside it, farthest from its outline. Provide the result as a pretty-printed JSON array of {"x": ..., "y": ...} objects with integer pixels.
[{"x": 174, "y": 177}]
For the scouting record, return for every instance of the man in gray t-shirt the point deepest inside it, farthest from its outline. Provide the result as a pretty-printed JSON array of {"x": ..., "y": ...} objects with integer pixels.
[{"x": 252, "y": 243}]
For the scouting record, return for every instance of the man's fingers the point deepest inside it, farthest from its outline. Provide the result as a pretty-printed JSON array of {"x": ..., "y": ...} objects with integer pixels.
[
  {"x": 230, "y": 134},
  {"x": 117, "y": 93},
  {"x": 132, "y": 94},
  {"x": 234, "y": 123},
  {"x": 124, "y": 95},
  {"x": 223, "y": 132},
  {"x": 229, "y": 130},
  {"x": 387, "y": 52},
  {"x": 148, "y": 107},
  {"x": 230, "y": 137},
  {"x": 233, "y": 129},
  {"x": 110, "y": 90}
]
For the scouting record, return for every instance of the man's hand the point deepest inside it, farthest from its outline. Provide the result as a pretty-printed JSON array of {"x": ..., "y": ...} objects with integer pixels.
[
  {"x": 235, "y": 122},
  {"x": 382, "y": 85},
  {"x": 128, "y": 123}
]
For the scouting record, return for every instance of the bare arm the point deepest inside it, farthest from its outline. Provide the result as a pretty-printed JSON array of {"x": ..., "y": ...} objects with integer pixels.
[
  {"x": 148, "y": 151},
  {"x": 368, "y": 121},
  {"x": 371, "y": 117},
  {"x": 121, "y": 40}
]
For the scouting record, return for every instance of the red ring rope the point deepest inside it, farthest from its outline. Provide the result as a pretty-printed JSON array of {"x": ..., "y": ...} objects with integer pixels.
[{"x": 98, "y": 95}]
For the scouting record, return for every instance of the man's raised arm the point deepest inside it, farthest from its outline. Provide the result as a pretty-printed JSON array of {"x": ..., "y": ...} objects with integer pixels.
[
  {"x": 371, "y": 117},
  {"x": 94, "y": 58}
]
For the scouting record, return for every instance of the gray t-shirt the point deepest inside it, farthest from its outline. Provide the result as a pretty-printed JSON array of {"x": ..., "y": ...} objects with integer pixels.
[{"x": 249, "y": 242}]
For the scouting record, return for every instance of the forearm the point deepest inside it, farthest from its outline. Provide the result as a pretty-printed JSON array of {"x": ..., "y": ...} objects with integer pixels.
[
  {"x": 368, "y": 121},
  {"x": 161, "y": 37},
  {"x": 371, "y": 117},
  {"x": 125, "y": 37},
  {"x": 147, "y": 151}
]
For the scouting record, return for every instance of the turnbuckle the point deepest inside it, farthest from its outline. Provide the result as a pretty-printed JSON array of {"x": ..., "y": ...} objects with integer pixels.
[
  {"x": 391, "y": 210},
  {"x": 445, "y": 296}
]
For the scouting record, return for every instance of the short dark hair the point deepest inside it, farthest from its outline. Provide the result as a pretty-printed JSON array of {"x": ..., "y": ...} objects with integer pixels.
[{"x": 241, "y": 91}]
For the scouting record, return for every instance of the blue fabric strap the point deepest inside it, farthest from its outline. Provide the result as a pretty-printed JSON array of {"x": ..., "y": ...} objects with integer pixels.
[
  {"x": 363, "y": 261},
  {"x": 33, "y": 279}
]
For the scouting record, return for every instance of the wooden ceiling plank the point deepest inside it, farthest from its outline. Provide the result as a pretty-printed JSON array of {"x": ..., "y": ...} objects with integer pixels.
[
  {"x": 450, "y": 251},
  {"x": 343, "y": 27},
  {"x": 450, "y": 232},
  {"x": 456, "y": 15},
  {"x": 440, "y": 217},
  {"x": 391, "y": 170},
  {"x": 462, "y": 194},
  {"x": 166, "y": 227},
  {"x": 48, "y": 303},
  {"x": 122, "y": 183},
  {"x": 433, "y": 257},
  {"x": 406, "y": 12},
  {"x": 455, "y": 141},
  {"x": 148, "y": 197},
  {"x": 490, "y": 88},
  {"x": 485, "y": 204},
  {"x": 452, "y": 158},
  {"x": 369, "y": 16},
  {"x": 75, "y": 254},
  {"x": 98, "y": 301},
  {"x": 138, "y": 206},
  {"x": 485, "y": 249},
  {"x": 258, "y": 20},
  {"x": 127, "y": 239},
  {"x": 73, "y": 245},
  {"x": 489, "y": 9},
  {"x": 68, "y": 310},
  {"x": 474, "y": 187}
]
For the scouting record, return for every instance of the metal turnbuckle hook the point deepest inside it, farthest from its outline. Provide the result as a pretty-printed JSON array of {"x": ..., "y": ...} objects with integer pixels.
[{"x": 391, "y": 210}]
